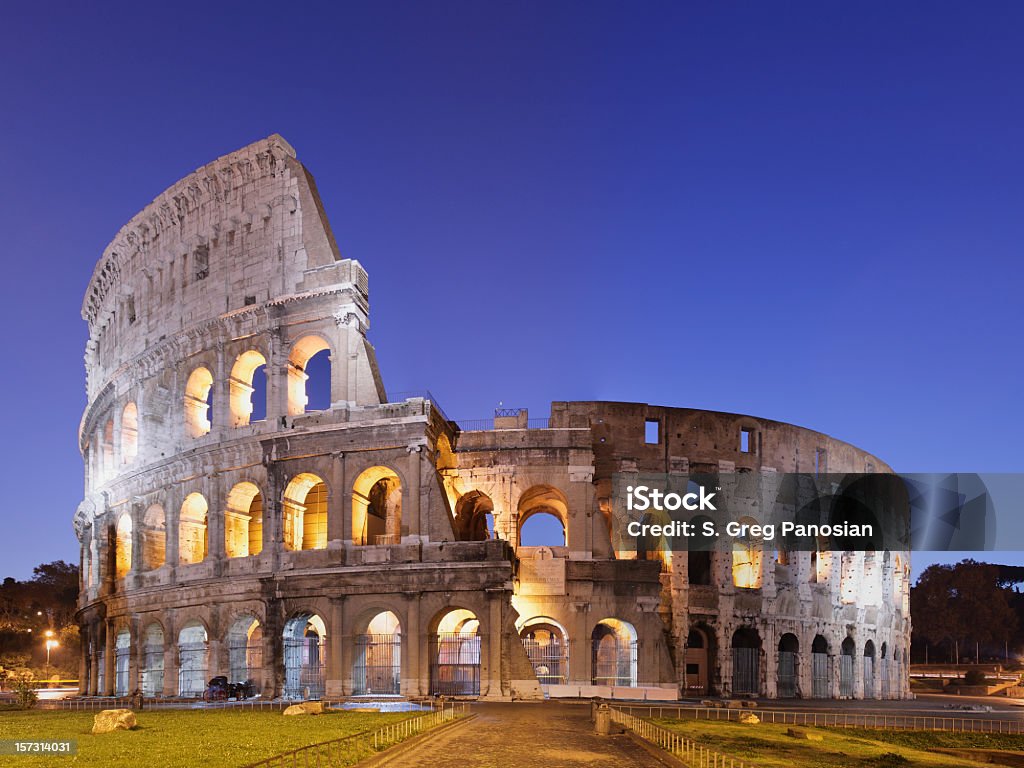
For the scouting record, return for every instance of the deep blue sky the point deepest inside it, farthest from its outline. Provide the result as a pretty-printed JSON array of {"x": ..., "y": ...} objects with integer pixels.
[{"x": 806, "y": 211}]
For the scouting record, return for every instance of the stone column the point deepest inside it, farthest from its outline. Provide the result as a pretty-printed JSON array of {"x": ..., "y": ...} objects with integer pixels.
[
  {"x": 215, "y": 515},
  {"x": 137, "y": 566},
  {"x": 338, "y": 674},
  {"x": 337, "y": 510},
  {"x": 109, "y": 659},
  {"x": 94, "y": 667},
  {"x": 273, "y": 533},
  {"x": 135, "y": 656},
  {"x": 414, "y": 674},
  {"x": 412, "y": 525},
  {"x": 170, "y": 658},
  {"x": 494, "y": 637}
]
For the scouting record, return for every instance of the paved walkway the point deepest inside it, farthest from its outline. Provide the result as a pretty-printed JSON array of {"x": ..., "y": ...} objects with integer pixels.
[{"x": 529, "y": 735}]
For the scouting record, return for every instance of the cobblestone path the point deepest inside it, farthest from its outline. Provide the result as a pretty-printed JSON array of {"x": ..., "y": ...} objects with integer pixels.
[{"x": 546, "y": 734}]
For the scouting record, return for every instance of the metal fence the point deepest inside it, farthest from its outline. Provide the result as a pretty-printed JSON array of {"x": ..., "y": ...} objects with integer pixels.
[
  {"x": 746, "y": 670},
  {"x": 889, "y": 721},
  {"x": 455, "y": 666},
  {"x": 152, "y": 672},
  {"x": 378, "y": 665},
  {"x": 192, "y": 669},
  {"x": 869, "y": 677},
  {"x": 121, "y": 659},
  {"x": 303, "y": 668},
  {"x": 846, "y": 675},
  {"x": 550, "y": 660},
  {"x": 245, "y": 662},
  {"x": 787, "y": 674},
  {"x": 337, "y": 752},
  {"x": 821, "y": 676},
  {"x": 676, "y": 744},
  {"x": 614, "y": 662}
]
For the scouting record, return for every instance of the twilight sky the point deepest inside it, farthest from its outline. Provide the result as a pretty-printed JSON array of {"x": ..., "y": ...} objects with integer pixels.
[{"x": 809, "y": 212}]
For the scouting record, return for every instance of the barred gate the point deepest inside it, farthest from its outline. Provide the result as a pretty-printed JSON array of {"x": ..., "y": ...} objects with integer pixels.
[
  {"x": 191, "y": 669},
  {"x": 245, "y": 662},
  {"x": 378, "y": 665},
  {"x": 846, "y": 675},
  {"x": 746, "y": 670},
  {"x": 869, "y": 677},
  {"x": 101, "y": 672},
  {"x": 821, "y": 679},
  {"x": 303, "y": 668},
  {"x": 550, "y": 660},
  {"x": 455, "y": 665},
  {"x": 152, "y": 673},
  {"x": 884, "y": 674},
  {"x": 121, "y": 658},
  {"x": 615, "y": 668},
  {"x": 787, "y": 674}
]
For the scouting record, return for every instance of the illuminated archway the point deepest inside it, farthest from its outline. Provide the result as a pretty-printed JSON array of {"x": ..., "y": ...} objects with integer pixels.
[
  {"x": 746, "y": 559},
  {"x": 302, "y": 351},
  {"x": 547, "y": 646},
  {"x": 377, "y": 665},
  {"x": 377, "y": 507},
  {"x": 305, "y": 645},
  {"x": 122, "y": 656},
  {"x": 198, "y": 402},
  {"x": 152, "y": 672},
  {"x": 614, "y": 653},
  {"x": 243, "y": 521},
  {"x": 455, "y": 654},
  {"x": 543, "y": 500},
  {"x": 192, "y": 530},
  {"x": 474, "y": 517},
  {"x": 129, "y": 433},
  {"x": 123, "y": 546},
  {"x": 154, "y": 538},
  {"x": 245, "y": 651},
  {"x": 241, "y": 383},
  {"x": 305, "y": 513},
  {"x": 193, "y": 651}
]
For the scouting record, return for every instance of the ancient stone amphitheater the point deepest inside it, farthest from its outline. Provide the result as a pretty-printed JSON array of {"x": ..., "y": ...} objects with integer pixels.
[{"x": 231, "y": 525}]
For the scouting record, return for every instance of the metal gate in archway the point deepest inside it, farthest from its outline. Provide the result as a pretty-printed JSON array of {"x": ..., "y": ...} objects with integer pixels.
[
  {"x": 152, "y": 673},
  {"x": 455, "y": 665},
  {"x": 121, "y": 657},
  {"x": 787, "y": 674},
  {"x": 746, "y": 670},
  {"x": 821, "y": 679},
  {"x": 884, "y": 677},
  {"x": 378, "y": 665},
  {"x": 869, "y": 677},
  {"x": 303, "y": 668},
  {"x": 846, "y": 675},
  {"x": 191, "y": 669},
  {"x": 550, "y": 659}
]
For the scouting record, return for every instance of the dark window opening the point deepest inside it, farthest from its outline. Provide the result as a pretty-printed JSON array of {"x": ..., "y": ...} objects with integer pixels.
[
  {"x": 249, "y": 300},
  {"x": 201, "y": 263}
]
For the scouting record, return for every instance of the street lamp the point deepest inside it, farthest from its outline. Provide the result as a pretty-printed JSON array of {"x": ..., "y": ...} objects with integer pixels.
[{"x": 51, "y": 643}]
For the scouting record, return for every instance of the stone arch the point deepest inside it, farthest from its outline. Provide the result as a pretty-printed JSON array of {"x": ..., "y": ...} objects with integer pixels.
[
  {"x": 445, "y": 457},
  {"x": 746, "y": 661},
  {"x": 198, "y": 402},
  {"x": 151, "y": 674},
  {"x": 821, "y": 668},
  {"x": 245, "y": 650},
  {"x": 129, "y": 433},
  {"x": 154, "y": 537},
  {"x": 305, "y": 504},
  {"x": 107, "y": 449},
  {"x": 301, "y": 353},
  {"x": 543, "y": 500},
  {"x": 305, "y": 650},
  {"x": 377, "y": 660},
  {"x": 193, "y": 658},
  {"x": 699, "y": 655},
  {"x": 746, "y": 559},
  {"x": 846, "y": 652},
  {"x": 123, "y": 546},
  {"x": 122, "y": 658},
  {"x": 193, "y": 534},
  {"x": 455, "y": 653},
  {"x": 474, "y": 517},
  {"x": 699, "y": 554},
  {"x": 377, "y": 506},
  {"x": 788, "y": 666},
  {"x": 869, "y": 669},
  {"x": 546, "y": 643},
  {"x": 241, "y": 386},
  {"x": 613, "y": 646},
  {"x": 243, "y": 521}
]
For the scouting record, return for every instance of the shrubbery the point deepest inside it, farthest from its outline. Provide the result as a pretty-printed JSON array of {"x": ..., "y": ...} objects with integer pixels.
[{"x": 974, "y": 677}]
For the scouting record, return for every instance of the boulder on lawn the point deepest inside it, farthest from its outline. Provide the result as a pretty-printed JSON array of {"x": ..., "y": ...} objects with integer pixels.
[
  {"x": 113, "y": 720},
  {"x": 734, "y": 704},
  {"x": 800, "y": 733},
  {"x": 750, "y": 719},
  {"x": 306, "y": 708}
]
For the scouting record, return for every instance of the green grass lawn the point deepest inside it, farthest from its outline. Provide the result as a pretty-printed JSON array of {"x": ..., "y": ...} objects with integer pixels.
[
  {"x": 769, "y": 745},
  {"x": 184, "y": 738}
]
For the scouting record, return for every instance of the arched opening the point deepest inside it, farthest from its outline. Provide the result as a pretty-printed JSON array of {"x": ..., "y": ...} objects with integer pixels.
[
  {"x": 122, "y": 654},
  {"x": 455, "y": 655},
  {"x": 846, "y": 668},
  {"x": 309, "y": 376},
  {"x": 243, "y": 521},
  {"x": 305, "y": 645},
  {"x": 245, "y": 409},
  {"x": 192, "y": 530},
  {"x": 869, "y": 670},
  {"x": 377, "y": 507},
  {"x": 614, "y": 653},
  {"x": 245, "y": 652},
  {"x": 547, "y": 646},
  {"x": 746, "y": 559},
  {"x": 697, "y": 680},
  {"x": 789, "y": 648},
  {"x": 152, "y": 672},
  {"x": 199, "y": 402},
  {"x": 543, "y": 517},
  {"x": 193, "y": 651},
  {"x": 377, "y": 668},
  {"x": 154, "y": 538},
  {"x": 123, "y": 546},
  {"x": 746, "y": 661},
  {"x": 107, "y": 448},
  {"x": 305, "y": 513},
  {"x": 821, "y": 671},
  {"x": 698, "y": 556},
  {"x": 883, "y": 670},
  {"x": 474, "y": 517},
  {"x": 129, "y": 433}
]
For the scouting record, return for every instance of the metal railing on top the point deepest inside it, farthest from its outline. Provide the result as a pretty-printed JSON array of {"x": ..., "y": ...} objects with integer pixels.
[
  {"x": 676, "y": 744},
  {"x": 886, "y": 721},
  {"x": 337, "y": 752}
]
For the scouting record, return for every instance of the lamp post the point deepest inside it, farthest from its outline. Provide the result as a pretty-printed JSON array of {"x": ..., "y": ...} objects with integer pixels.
[{"x": 51, "y": 643}]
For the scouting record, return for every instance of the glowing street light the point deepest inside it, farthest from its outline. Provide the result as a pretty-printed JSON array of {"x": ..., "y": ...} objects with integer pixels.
[{"x": 51, "y": 643}]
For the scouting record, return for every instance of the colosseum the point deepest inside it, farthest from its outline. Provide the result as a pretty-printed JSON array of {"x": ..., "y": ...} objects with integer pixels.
[{"x": 234, "y": 525}]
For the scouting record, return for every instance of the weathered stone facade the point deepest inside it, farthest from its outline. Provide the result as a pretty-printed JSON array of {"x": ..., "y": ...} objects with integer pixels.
[{"x": 374, "y": 547}]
